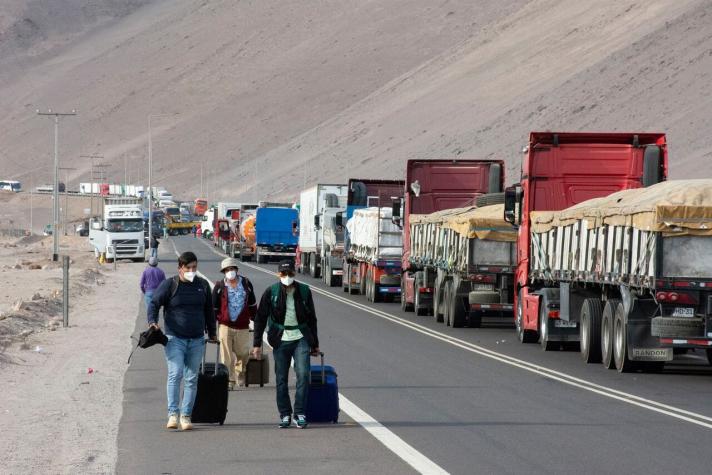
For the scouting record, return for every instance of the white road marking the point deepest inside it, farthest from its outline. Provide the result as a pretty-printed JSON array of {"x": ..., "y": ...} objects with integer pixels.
[{"x": 388, "y": 438}]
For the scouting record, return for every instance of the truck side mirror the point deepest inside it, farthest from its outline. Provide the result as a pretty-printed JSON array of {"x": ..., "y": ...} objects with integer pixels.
[
  {"x": 316, "y": 221},
  {"x": 512, "y": 205}
]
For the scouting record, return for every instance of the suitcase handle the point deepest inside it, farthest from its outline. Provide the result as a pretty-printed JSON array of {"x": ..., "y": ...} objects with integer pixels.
[
  {"x": 217, "y": 354},
  {"x": 323, "y": 370}
]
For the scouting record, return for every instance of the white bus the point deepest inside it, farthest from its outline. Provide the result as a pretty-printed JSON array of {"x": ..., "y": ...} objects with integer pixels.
[{"x": 10, "y": 185}]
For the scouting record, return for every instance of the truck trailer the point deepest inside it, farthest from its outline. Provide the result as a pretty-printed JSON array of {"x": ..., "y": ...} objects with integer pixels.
[
  {"x": 374, "y": 254},
  {"x": 363, "y": 193},
  {"x": 430, "y": 186},
  {"x": 559, "y": 171},
  {"x": 316, "y": 205},
  {"x": 633, "y": 272},
  {"x": 473, "y": 253}
]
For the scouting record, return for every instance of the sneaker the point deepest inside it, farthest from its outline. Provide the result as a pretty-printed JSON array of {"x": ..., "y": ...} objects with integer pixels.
[
  {"x": 285, "y": 422},
  {"x": 185, "y": 423},
  {"x": 172, "y": 421},
  {"x": 301, "y": 421},
  {"x": 231, "y": 386}
]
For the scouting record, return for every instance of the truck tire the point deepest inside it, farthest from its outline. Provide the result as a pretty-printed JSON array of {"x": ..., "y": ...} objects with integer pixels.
[
  {"x": 709, "y": 355},
  {"x": 489, "y": 199},
  {"x": 405, "y": 306},
  {"x": 590, "y": 330},
  {"x": 525, "y": 336},
  {"x": 607, "y": 324},
  {"x": 620, "y": 342},
  {"x": 313, "y": 267},
  {"x": 546, "y": 345},
  {"x": 457, "y": 311},
  {"x": 362, "y": 287},
  {"x": 419, "y": 309},
  {"x": 672, "y": 327},
  {"x": 367, "y": 279},
  {"x": 445, "y": 305},
  {"x": 438, "y": 299}
]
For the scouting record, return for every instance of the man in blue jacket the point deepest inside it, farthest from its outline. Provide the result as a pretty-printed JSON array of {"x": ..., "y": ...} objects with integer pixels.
[{"x": 187, "y": 315}]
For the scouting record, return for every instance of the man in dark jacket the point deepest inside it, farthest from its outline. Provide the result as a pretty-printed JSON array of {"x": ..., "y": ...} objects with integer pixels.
[
  {"x": 187, "y": 314},
  {"x": 287, "y": 310},
  {"x": 153, "y": 243},
  {"x": 235, "y": 305}
]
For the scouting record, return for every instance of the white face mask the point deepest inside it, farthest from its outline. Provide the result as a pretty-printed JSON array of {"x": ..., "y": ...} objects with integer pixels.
[
  {"x": 231, "y": 274},
  {"x": 287, "y": 280},
  {"x": 189, "y": 276}
]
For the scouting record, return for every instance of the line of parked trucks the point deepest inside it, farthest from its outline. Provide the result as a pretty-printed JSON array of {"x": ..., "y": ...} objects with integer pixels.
[{"x": 593, "y": 248}]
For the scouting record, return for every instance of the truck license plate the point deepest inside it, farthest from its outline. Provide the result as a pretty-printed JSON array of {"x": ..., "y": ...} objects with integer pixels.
[
  {"x": 652, "y": 354},
  {"x": 564, "y": 324},
  {"x": 683, "y": 312},
  {"x": 483, "y": 287}
]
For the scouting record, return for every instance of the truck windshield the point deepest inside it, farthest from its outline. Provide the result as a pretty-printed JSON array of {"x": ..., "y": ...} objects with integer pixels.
[{"x": 125, "y": 225}]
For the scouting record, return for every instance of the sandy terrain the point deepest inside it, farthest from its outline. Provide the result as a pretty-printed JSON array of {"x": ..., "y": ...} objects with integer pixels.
[
  {"x": 62, "y": 387},
  {"x": 273, "y": 95}
]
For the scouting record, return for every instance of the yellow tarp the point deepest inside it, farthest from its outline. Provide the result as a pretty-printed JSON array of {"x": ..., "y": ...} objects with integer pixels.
[
  {"x": 482, "y": 223},
  {"x": 438, "y": 216},
  {"x": 680, "y": 207}
]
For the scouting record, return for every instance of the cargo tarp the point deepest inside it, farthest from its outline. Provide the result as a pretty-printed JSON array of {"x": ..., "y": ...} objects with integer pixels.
[
  {"x": 675, "y": 208},
  {"x": 365, "y": 237},
  {"x": 482, "y": 223}
]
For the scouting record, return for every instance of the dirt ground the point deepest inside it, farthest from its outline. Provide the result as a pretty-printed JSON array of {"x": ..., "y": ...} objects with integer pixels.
[{"x": 62, "y": 387}]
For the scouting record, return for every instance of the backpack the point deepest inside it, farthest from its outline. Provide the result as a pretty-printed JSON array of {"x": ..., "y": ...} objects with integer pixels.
[{"x": 274, "y": 293}]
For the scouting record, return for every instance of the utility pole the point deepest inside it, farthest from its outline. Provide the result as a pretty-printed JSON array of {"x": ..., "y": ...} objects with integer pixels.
[
  {"x": 66, "y": 194},
  {"x": 55, "y": 188},
  {"x": 32, "y": 186},
  {"x": 91, "y": 185},
  {"x": 150, "y": 172},
  {"x": 201, "y": 180}
]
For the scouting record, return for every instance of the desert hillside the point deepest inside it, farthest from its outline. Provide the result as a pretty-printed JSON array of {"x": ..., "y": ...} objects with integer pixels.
[{"x": 274, "y": 95}]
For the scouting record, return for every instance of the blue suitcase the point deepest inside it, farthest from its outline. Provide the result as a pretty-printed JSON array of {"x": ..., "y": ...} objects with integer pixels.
[{"x": 323, "y": 401}]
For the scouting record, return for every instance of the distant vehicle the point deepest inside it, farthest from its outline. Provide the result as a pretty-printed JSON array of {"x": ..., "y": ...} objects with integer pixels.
[
  {"x": 44, "y": 189},
  {"x": 10, "y": 185},
  {"x": 119, "y": 232},
  {"x": 166, "y": 204},
  {"x": 200, "y": 206},
  {"x": 275, "y": 233},
  {"x": 47, "y": 230},
  {"x": 82, "y": 229}
]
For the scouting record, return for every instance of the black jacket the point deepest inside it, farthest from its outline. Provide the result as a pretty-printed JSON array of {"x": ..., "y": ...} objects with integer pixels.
[{"x": 303, "y": 305}]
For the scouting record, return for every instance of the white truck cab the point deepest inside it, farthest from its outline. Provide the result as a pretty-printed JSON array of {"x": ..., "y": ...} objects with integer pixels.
[{"x": 119, "y": 232}]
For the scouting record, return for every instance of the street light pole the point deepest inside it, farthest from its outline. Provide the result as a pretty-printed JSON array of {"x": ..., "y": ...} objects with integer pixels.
[
  {"x": 150, "y": 173},
  {"x": 55, "y": 188}
]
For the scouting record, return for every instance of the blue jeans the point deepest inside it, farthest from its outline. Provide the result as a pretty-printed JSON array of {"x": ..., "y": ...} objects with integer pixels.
[
  {"x": 154, "y": 252},
  {"x": 283, "y": 354},
  {"x": 183, "y": 356},
  {"x": 147, "y": 298}
]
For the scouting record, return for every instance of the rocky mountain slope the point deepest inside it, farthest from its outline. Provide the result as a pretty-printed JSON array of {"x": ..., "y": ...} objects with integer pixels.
[{"x": 271, "y": 96}]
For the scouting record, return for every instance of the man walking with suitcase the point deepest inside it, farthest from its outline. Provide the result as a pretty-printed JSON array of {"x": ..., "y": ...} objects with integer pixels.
[
  {"x": 287, "y": 310},
  {"x": 235, "y": 305},
  {"x": 187, "y": 314}
]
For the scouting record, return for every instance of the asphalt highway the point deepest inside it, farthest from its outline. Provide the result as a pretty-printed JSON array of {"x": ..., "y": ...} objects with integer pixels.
[{"x": 436, "y": 398}]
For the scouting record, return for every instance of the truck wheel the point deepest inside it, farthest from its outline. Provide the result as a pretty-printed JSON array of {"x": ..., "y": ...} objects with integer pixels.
[
  {"x": 675, "y": 327},
  {"x": 620, "y": 342},
  {"x": 525, "y": 336},
  {"x": 313, "y": 268},
  {"x": 437, "y": 303},
  {"x": 709, "y": 355},
  {"x": 590, "y": 330},
  {"x": 369, "y": 295},
  {"x": 375, "y": 295},
  {"x": 362, "y": 287},
  {"x": 546, "y": 345},
  {"x": 607, "y": 324},
  {"x": 457, "y": 311},
  {"x": 419, "y": 309},
  {"x": 446, "y": 304}
]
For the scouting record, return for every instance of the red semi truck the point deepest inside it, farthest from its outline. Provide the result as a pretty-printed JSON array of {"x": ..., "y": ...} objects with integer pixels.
[
  {"x": 561, "y": 170},
  {"x": 430, "y": 186}
]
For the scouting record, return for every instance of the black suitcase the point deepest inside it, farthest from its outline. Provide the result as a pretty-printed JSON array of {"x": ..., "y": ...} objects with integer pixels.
[
  {"x": 211, "y": 399},
  {"x": 257, "y": 371}
]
